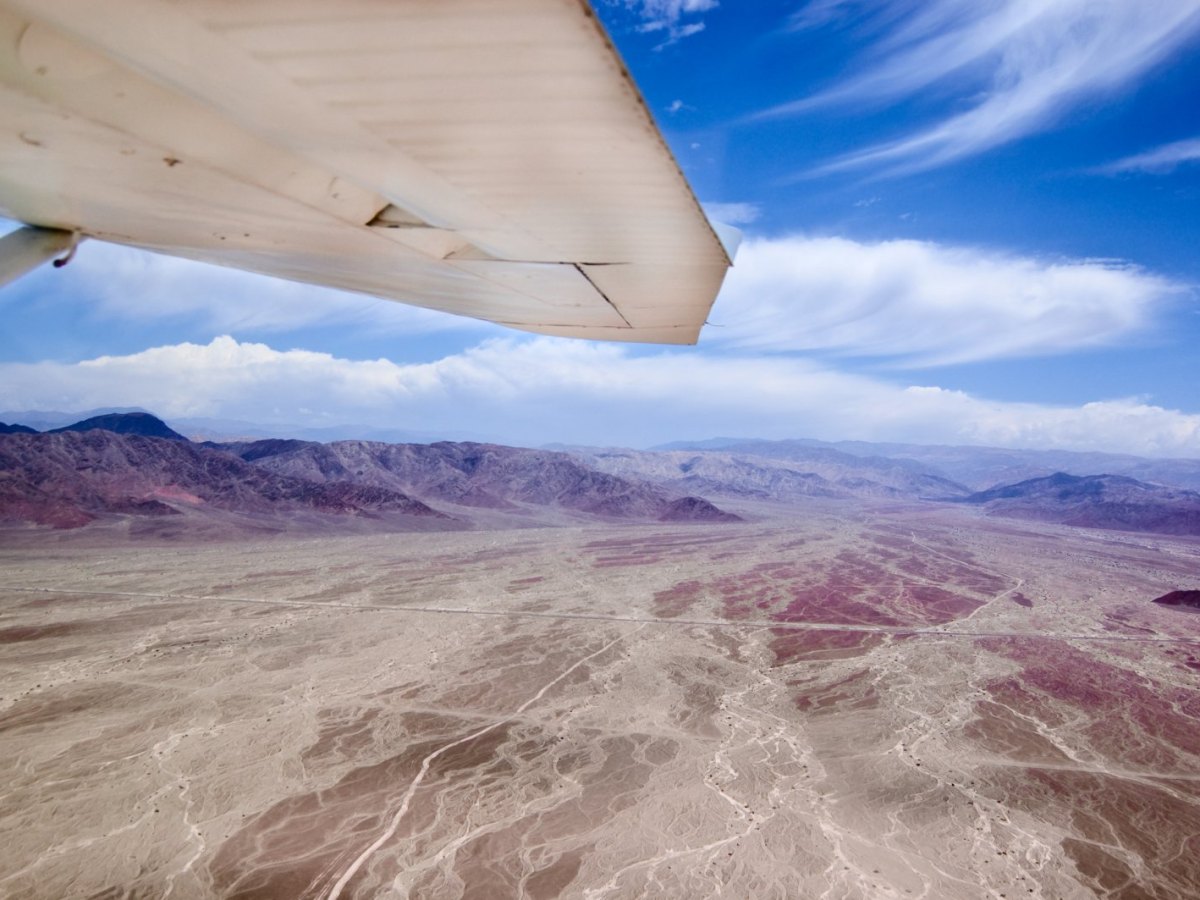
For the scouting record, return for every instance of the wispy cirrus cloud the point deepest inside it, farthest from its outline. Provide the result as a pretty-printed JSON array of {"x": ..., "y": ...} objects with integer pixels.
[
  {"x": 544, "y": 389},
  {"x": 1159, "y": 160},
  {"x": 818, "y": 13},
  {"x": 919, "y": 303},
  {"x": 1018, "y": 65}
]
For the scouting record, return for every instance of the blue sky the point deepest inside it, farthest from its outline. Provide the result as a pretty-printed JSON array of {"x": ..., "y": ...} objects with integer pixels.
[{"x": 967, "y": 221}]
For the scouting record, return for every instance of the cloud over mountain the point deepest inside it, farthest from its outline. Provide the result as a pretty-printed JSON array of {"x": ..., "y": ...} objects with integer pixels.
[{"x": 536, "y": 391}]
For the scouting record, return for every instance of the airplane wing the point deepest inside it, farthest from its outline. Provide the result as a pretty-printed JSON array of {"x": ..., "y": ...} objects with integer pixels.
[{"x": 490, "y": 158}]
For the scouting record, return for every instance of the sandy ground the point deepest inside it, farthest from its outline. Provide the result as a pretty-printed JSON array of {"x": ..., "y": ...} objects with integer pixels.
[{"x": 854, "y": 702}]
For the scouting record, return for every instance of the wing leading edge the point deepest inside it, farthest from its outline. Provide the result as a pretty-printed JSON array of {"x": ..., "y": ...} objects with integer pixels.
[{"x": 490, "y": 159}]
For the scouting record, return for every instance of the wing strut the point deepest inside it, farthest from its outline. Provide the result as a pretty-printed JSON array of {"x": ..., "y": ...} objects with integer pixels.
[{"x": 27, "y": 248}]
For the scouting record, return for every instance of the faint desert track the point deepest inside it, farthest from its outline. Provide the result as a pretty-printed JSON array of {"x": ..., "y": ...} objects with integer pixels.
[{"x": 935, "y": 631}]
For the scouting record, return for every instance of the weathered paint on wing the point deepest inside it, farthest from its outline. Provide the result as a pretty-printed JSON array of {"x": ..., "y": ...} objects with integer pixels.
[{"x": 489, "y": 158}]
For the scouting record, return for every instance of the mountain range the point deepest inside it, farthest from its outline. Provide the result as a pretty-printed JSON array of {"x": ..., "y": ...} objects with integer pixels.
[
  {"x": 486, "y": 476},
  {"x": 793, "y": 470},
  {"x": 132, "y": 465},
  {"x": 977, "y": 468},
  {"x": 205, "y": 428},
  {"x": 69, "y": 479},
  {"x": 1096, "y": 501},
  {"x": 817, "y": 472}
]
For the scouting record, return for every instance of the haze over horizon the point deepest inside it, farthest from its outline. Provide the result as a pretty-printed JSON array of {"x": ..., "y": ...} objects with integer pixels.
[{"x": 964, "y": 224}]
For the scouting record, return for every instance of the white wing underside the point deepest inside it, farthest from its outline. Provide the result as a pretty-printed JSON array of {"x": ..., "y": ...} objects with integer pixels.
[{"x": 489, "y": 158}]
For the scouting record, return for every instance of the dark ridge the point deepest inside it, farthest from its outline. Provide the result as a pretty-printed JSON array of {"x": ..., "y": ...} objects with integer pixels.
[
  {"x": 267, "y": 447},
  {"x": 696, "y": 509},
  {"x": 1113, "y": 502},
  {"x": 16, "y": 429},
  {"x": 1060, "y": 485},
  {"x": 1188, "y": 600},
  {"x": 139, "y": 423}
]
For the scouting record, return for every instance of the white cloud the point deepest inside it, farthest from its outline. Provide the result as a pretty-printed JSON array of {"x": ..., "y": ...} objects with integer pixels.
[
  {"x": 1023, "y": 63},
  {"x": 667, "y": 16},
  {"x": 670, "y": 11},
  {"x": 126, "y": 283},
  {"x": 733, "y": 213},
  {"x": 539, "y": 390},
  {"x": 922, "y": 303},
  {"x": 1160, "y": 159}
]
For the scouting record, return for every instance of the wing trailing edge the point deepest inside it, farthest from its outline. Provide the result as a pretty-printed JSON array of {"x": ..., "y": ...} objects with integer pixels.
[{"x": 488, "y": 158}]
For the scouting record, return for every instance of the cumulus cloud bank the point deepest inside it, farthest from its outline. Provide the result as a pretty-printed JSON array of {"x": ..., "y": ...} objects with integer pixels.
[
  {"x": 922, "y": 303},
  {"x": 1023, "y": 63},
  {"x": 541, "y": 390}
]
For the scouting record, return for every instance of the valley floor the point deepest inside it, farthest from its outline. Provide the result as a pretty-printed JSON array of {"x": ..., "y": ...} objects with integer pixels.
[{"x": 850, "y": 702}]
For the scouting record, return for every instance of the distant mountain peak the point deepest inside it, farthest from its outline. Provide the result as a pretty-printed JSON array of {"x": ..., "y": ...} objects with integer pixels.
[{"x": 142, "y": 423}]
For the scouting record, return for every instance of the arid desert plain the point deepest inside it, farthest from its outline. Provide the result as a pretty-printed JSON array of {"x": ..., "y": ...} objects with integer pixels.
[{"x": 856, "y": 701}]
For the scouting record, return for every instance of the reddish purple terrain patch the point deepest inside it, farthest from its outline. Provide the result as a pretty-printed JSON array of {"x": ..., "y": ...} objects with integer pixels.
[
  {"x": 677, "y": 600},
  {"x": 1057, "y": 681},
  {"x": 806, "y": 645}
]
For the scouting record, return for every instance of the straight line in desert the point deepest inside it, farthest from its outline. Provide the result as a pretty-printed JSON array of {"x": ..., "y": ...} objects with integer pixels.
[{"x": 936, "y": 631}]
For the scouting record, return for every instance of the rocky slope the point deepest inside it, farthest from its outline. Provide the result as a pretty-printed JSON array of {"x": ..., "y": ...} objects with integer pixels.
[
  {"x": 133, "y": 465},
  {"x": 1096, "y": 501},
  {"x": 815, "y": 473},
  {"x": 480, "y": 475},
  {"x": 69, "y": 479}
]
